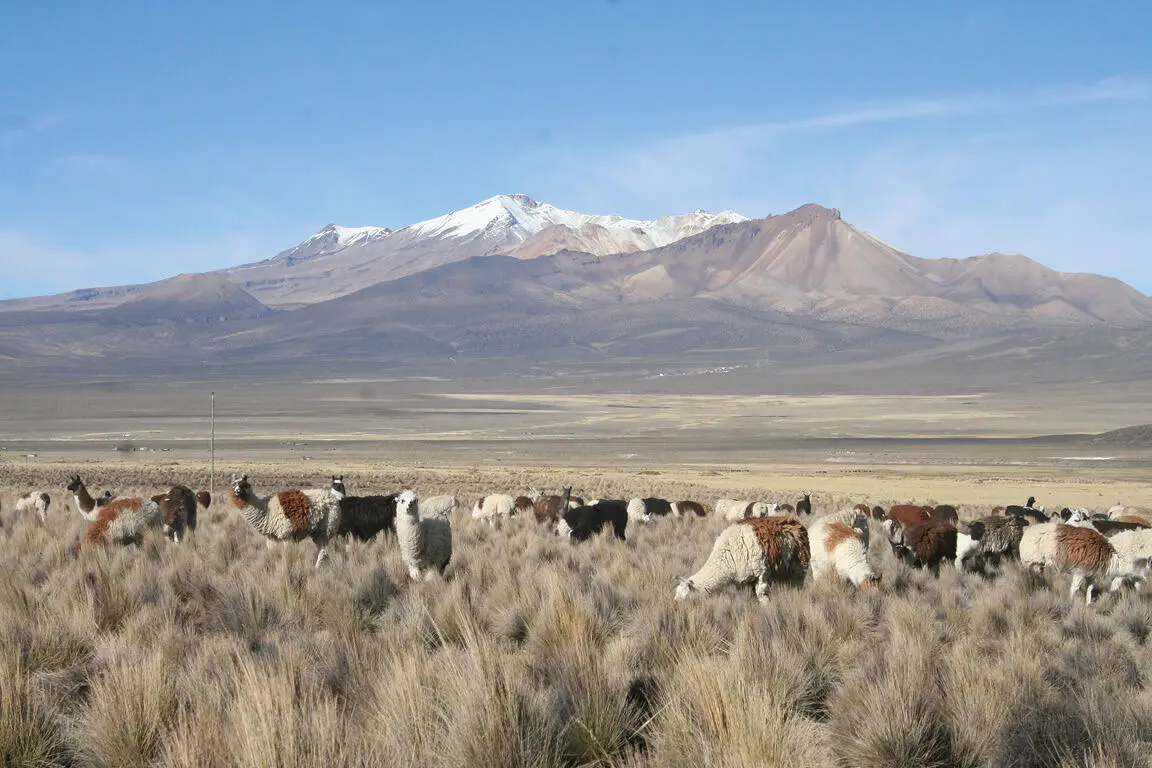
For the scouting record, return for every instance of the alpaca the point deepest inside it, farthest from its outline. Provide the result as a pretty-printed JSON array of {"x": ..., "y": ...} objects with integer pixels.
[
  {"x": 760, "y": 549},
  {"x": 35, "y": 501},
  {"x": 425, "y": 543},
  {"x": 363, "y": 517},
  {"x": 88, "y": 507},
  {"x": 839, "y": 545},
  {"x": 124, "y": 521},
  {"x": 289, "y": 515}
]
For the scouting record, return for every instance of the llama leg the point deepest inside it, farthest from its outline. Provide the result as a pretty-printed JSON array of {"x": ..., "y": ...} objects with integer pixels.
[
  {"x": 1077, "y": 579},
  {"x": 762, "y": 588},
  {"x": 1088, "y": 593},
  {"x": 322, "y": 555}
]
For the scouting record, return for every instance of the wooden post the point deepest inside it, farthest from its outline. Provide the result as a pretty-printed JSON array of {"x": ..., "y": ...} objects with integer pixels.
[{"x": 212, "y": 452}]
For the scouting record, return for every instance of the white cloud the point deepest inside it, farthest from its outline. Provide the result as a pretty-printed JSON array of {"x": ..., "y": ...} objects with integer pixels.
[{"x": 699, "y": 165}]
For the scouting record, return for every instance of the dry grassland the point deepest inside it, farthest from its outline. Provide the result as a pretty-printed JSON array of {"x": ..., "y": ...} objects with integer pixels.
[{"x": 532, "y": 651}]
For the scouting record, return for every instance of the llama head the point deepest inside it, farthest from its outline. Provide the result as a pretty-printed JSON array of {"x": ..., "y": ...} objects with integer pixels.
[
  {"x": 241, "y": 488},
  {"x": 75, "y": 483},
  {"x": 1031, "y": 501},
  {"x": 872, "y": 581},
  {"x": 685, "y": 588},
  {"x": 338, "y": 489},
  {"x": 204, "y": 499},
  {"x": 407, "y": 504}
]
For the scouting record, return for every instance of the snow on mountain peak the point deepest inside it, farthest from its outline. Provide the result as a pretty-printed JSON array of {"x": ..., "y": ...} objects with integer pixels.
[
  {"x": 515, "y": 218},
  {"x": 346, "y": 236}
]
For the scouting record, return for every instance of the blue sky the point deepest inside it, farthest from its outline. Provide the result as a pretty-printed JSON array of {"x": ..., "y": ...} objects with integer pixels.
[{"x": 139, "y": 140}]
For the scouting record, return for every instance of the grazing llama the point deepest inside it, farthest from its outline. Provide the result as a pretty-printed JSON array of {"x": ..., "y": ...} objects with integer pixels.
[{"x": 759, "y": 549}]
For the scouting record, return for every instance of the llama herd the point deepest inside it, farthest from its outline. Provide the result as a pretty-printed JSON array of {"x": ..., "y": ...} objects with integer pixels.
[{"x": 764, "y": 544}]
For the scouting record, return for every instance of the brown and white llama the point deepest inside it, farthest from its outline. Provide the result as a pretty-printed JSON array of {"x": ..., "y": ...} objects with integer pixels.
[
  {"x": 88, "y": 507},
  {"x": 123, "y": 521},
  {"x": 178, "y": 507},
  {"x": 35, "y": 501},
  {"x": 290, "y": 515},
  {"x": 764, "y": 550}
]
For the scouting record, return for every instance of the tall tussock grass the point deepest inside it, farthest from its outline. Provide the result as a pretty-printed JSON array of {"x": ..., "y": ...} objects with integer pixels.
[{"x": 531, "y": 651}]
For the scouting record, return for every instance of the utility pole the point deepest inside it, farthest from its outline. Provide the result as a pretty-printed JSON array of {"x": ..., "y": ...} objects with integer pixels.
[{"x": 212, "y": 452}]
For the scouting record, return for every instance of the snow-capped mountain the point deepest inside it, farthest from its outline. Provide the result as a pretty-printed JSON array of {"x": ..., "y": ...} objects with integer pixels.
[
  {"x": 519, "y": 216},
  {"x": 330, "y": 239},
  {"x": 337, "y": 260}
]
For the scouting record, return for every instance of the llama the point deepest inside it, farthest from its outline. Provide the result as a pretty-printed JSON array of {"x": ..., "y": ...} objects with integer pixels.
[
  {"x": 986, "y": 543},
  {"x": 760, "y": 549},
  {"x": 1078, "y": 516},
  {"x": 695, "y": 508},
  {"x": 494, "y": 508},
  {"x": 804, "y": 506},
  {"x": 1134, "y": 547},
  {"x": 548, "y": 509},
  {"x": 1081, "y": 552},
  {"x": 649, "y": 508},
  {"x": 439, "y": 506},
  {"x": 178, "y": 509},
  {"x": 124, "y": 521},
  {"x": 35, "y": 501},
  {"x": 839, "y": 544},
  {"x": 289, "y": 515},
  {"x": 523, "y": 506},
  {"x": 425, "y": 543},
  {"x": 945, "y": 513},
  {"x": 363, "y": 517},
  {"x": 88, "y": 507},
  {"x": 1034, "y": 513},
  {"x": 909, "y": 514},
  {"x": 925, "y": 544},
  {"x": 731, "y": 509},
  {"x": 581, "y": 523}
]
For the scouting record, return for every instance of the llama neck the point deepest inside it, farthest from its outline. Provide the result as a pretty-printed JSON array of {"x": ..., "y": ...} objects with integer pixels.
[
  {"x": 408, "y": 526},
  {"x": 255, "y": 513},
  {"x": 707, "y": 579},
  {"x": 84, "y": 501}
]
